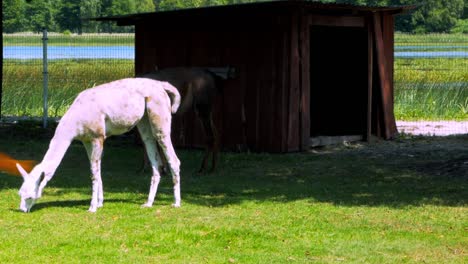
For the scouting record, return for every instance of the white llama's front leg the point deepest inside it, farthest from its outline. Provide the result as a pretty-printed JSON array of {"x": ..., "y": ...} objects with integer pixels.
[
  {"x": 151, "y": 151},
  {"x": 94, "y": 150}
]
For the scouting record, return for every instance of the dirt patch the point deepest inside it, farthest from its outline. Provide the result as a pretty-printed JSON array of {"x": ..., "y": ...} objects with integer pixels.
[
  {"x": 433, "y": 128},
  {"x": 431, "y": 155}
]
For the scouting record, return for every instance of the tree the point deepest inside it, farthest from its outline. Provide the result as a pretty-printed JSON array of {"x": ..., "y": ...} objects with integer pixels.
[
  {"x": 90, "y": 9},
  {"x": 69, "y": 16},
  {"x": 40, "y": 14},
  {"x": 465, "y": 10},
  {"x": 179, "y": 4},
  {"x": 13, "y": 15},
  {"x": 430, "y": 16},
  {"x": 143, "y": 6}
]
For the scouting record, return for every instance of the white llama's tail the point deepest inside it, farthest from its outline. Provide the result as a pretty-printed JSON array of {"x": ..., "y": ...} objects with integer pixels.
[{"x": 174, "y": 94}]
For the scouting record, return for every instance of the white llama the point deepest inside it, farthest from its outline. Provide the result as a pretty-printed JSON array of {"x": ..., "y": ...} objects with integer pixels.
[{"x": 111, "y": 109}]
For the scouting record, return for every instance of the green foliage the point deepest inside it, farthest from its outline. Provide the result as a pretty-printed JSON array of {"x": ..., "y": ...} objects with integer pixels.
[
  {"x": 465, "y": 10},
  {"x": 438, "y": 16},
  {"x": 41, "y": 14},
  {"x": 69, "y": 15},
  {"x": 162, "y": 5},
  {"x": 461, "y": 27},
  {"x": 13, "y": 16},
  {"x": 60, "y": 15}
]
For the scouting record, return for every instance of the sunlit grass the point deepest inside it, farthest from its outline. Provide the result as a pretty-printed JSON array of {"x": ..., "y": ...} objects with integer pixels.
[{"x": 378, "y": 203}]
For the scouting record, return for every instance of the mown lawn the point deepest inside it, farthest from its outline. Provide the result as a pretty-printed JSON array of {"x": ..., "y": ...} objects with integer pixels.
[{"x": 403, "y": 201}]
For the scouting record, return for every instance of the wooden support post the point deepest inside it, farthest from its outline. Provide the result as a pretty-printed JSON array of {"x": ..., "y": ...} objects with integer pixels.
[
  {"x": 385, "y": 89},
  {"x": 370, "y": 73}
]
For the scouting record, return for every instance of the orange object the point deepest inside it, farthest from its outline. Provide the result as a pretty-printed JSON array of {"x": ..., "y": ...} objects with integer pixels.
[{"x": 8, "y": 164}]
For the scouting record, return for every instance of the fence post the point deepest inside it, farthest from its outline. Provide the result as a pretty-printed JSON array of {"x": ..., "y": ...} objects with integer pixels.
[{"x": 46, "y": 77}]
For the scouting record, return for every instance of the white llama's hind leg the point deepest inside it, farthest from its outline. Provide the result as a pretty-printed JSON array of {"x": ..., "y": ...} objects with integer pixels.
[
  {"x": 160, "y": 121},
  {"x": 94, "y": 150},
  {"x": 150, "y": 145}
]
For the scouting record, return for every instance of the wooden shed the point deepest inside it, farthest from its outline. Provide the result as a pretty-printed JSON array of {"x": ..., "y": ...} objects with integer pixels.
[{"x": 303, "y": 69}]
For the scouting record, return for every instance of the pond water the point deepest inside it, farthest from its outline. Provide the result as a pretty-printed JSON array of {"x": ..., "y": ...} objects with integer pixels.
[
  {"x": 128, "y": 52},
  {"x": 62, "y": 52},
  {"x": 431, "y": 54}
]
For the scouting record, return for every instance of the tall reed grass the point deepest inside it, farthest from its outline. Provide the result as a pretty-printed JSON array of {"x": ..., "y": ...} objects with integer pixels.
[
  {"x": 431, "y": 89},
  {"x": 23, "y": 88}
]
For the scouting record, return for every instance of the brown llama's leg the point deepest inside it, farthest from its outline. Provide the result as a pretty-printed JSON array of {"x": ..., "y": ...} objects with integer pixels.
[
  {"x": 215, "y": 145},
  {"x": 211, "y": 141}
]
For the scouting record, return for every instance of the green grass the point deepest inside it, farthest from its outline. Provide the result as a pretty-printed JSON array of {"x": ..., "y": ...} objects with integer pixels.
[{"x": 396, "y": 202}]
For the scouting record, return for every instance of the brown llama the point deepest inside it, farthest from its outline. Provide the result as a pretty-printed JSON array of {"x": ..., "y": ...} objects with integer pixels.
[{"x": 198, "y": 88}]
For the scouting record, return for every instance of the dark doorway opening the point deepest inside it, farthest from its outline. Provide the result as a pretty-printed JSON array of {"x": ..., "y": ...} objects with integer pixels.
[{"x": 338, "y": 81}]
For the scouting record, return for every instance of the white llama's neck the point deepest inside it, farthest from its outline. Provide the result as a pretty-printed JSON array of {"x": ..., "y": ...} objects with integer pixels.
[{"x": 57, "y": 148}]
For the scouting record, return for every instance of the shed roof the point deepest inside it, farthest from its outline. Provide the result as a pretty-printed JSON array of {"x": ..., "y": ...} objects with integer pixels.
[{"x": 260, "y": 7}]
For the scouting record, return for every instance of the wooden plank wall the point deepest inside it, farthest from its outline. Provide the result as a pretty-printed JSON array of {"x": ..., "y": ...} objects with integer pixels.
[
  {"x": 252, "y": 110},
  {"x": 304, "y": 42},
  {"x": 294, "y": 85}
]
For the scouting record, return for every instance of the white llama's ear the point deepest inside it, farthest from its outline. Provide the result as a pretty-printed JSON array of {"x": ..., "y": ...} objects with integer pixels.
[{"x": 22, "y": 171}]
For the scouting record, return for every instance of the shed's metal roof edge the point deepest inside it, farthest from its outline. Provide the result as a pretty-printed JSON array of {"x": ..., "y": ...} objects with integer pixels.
[{"x": 396, "y": 9}]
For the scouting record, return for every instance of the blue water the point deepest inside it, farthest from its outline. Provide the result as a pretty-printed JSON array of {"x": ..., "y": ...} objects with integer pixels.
[
  {"x": 126, "y": 52},
  {"x": 60, "y": 52},
  {"x": 431, "y": 54}
]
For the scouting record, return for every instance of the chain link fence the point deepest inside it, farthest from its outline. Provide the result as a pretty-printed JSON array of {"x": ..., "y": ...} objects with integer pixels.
[
  {"x": 431, "y": 83},
  {"x": 74, "y": 63},
  {"x": 431, "y": 76}
]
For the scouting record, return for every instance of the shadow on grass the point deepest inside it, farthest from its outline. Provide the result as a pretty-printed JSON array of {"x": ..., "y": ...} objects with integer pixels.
[
  {"x": 72, "y": 203},
  {"x": 405, "y": 172}
]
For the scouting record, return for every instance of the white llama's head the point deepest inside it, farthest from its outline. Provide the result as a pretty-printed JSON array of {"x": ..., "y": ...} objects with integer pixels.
[{"x": 29, "y": 191}]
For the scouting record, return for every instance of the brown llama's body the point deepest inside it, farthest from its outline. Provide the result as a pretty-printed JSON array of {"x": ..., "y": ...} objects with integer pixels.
[{"x": 198, "y": 88}]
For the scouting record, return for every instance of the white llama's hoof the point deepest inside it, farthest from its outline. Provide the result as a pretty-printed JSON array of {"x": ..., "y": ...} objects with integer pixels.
[
  {"x": 176, "y": 205},
  {"x": 92, "y": 209},
  {"x": 147, "y": 205}
]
